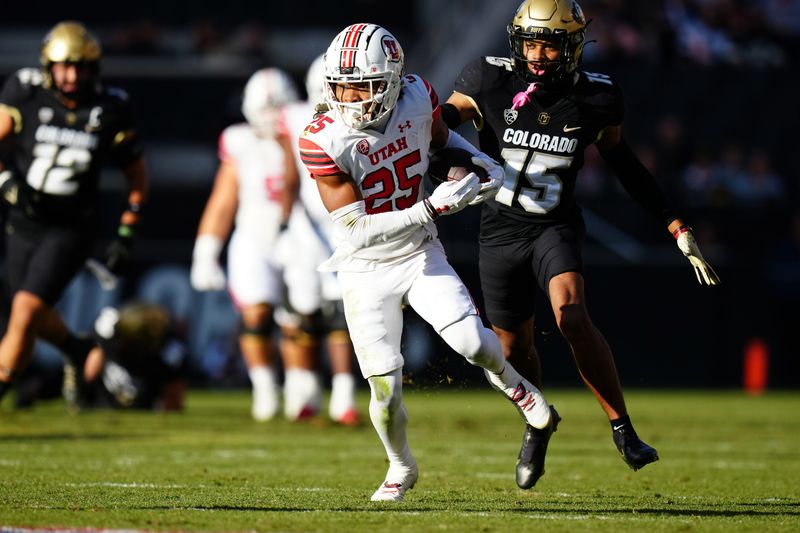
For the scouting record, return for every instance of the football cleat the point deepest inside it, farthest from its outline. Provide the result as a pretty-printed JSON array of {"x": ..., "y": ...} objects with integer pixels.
[
  {"x": 635, "y": 452},
  {"x": 394, "y": 488},
  {"x": 350, "y": 418},
  {"x": 530, "y": 462},
  {"x": 73, "y": 386}
]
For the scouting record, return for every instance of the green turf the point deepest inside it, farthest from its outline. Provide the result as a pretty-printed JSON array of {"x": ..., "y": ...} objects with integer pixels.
[{"x": 728, "y": 463}]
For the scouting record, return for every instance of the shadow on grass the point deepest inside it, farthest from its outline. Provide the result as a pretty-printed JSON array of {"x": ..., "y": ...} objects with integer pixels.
[
  {"x": 73, "y": 436},
  {"x": 409, "y": 508}
]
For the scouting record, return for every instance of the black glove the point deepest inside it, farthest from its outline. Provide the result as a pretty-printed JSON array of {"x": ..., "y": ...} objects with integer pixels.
[
  {"x": 10, "y": 190},
  {"x": 118, "y": 251}
]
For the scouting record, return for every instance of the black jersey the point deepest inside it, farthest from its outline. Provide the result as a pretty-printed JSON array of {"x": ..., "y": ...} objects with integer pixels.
[
  {"x": 59, "y": 152},
  {"x": 541, "y": 144}
]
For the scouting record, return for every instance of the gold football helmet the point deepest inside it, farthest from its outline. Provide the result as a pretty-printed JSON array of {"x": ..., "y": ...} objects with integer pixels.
[
  {"x": 69, "y": 42},
  {"x": 142, "y": 328},
  {"x": 558, "y": 21}
]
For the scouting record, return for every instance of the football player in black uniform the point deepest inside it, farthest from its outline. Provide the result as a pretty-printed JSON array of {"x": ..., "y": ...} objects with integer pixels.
[
  {"x": 63, "y": 125},
  {"x": 141, "y": 360},
  {"x": 537, "y": 113}
]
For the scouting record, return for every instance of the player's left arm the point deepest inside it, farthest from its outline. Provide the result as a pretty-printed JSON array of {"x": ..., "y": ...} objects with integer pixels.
[
  {"x": 138, "y": 188},
  {"x": 443, "y": 137},
  {"x": 118, "y": 252},
  {"x": 643, "y": 187}
]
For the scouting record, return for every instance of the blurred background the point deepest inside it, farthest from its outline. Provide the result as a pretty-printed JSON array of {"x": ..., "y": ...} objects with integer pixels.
[{"x": 711, "y": 103}]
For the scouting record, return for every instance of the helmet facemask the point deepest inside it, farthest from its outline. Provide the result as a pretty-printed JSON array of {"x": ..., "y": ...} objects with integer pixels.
[{"x": 381, "y": 99}]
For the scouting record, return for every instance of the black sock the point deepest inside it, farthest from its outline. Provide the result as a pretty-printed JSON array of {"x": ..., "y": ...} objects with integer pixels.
[
  {"x": 5, "y": 386},
  {"x": 621, "y": 422},
  {"x": 76, "y": 349}
]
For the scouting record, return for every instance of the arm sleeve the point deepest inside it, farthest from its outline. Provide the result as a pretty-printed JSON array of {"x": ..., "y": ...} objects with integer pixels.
[
  {"x": 638, "y": 181},
  {"x": 362, "y": 230}
]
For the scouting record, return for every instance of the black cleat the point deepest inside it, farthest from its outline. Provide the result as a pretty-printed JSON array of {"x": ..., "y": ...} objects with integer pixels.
[
  {"x": 635, "y": 452},
  {"x": 73, "y": 387},
  {"x": 530, "y": 463}
]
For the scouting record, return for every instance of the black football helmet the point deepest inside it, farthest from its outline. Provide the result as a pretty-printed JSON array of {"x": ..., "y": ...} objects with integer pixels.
[{"x": 560, "y": 22}]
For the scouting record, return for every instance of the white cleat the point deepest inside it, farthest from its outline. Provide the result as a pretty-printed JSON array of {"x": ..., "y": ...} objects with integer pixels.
[{"x": 395, "y": 487}]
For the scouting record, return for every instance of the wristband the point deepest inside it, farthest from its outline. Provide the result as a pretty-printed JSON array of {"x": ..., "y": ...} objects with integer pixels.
[
  {"x": 430, "y": 209},
  {"x": 681, "y": 230},
  {"x": 125, "y": 231}
]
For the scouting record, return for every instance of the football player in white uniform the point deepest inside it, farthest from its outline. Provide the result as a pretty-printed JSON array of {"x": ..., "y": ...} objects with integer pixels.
[
  {"x": 257, "y": 184},
  {"x": 315, "y": 309},
  {"x": 368, "y": 154}
]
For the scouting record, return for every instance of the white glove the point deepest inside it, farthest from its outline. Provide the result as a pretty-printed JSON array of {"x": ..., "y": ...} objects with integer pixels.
[
  {"x": 688, "y": 245},
  {"x": 452, "y": 196},
  {"x": 207, "y": 274},
  {"x": 496, "y": 174}
]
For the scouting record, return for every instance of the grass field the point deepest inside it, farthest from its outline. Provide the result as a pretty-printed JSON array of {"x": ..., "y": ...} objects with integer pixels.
[{"x": 728, "y": 463}]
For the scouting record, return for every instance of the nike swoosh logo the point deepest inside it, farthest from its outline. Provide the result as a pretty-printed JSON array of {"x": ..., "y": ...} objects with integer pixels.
[
  {"x": 567, "y": 130},
  {"x": 618, "y": 427}
]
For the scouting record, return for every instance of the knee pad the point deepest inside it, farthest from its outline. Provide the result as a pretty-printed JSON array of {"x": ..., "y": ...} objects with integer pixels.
[
  {"x": 261, "y": 331},
  {"x": 476, "y": 343},
  {"x": 312, "y": 325},
  {"x": 334, "y": 316}
]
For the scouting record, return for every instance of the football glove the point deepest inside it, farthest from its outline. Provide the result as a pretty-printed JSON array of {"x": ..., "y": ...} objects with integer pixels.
[
  {"x": 688, "y": 245},
  {"x": 495, "y": 176},
  {"x": 206, "y": 273},
  {"x": 452, "y": 196},
  {"x": 118, "y": 252}
]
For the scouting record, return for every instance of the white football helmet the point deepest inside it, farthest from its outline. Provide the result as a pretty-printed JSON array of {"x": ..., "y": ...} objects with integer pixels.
[
  {"x": 266, "y": 92},
  {"x": 315, "y": 81},
  {"x": 364, "y": 53}
]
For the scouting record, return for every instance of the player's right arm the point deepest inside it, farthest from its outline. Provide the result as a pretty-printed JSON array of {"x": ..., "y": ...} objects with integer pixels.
[
  {"x": 342, "y": 198},
  {"x": 214, "y": 228}
]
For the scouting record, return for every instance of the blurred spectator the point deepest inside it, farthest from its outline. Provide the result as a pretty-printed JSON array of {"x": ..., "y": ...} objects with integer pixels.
[
  {"x": 142, "y": 37},
  {"x": 783, "y": 16},
  {"x": 759, "y": 186},
  {"x": 670, "y": 154},
  {"x": 699, "y": 182}
]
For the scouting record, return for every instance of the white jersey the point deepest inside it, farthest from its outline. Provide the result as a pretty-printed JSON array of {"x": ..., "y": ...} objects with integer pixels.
[
  {"x": 387, "y": 166},
  {"x": 260, "y": 169}
]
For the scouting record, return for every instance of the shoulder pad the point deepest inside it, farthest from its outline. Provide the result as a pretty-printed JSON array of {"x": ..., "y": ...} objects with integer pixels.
[
  {"x": 118, "y": 93},
  {"x": 502, "y": 62}
]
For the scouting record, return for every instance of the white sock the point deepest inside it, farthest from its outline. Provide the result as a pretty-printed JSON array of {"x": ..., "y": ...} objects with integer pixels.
[
  {"x": 265, "y": 392},
  {"x": 301, "y": 392},
  {"x": 389, "y": 417},
  {"x": 528, "y": 400},
  {"x": 343, "y": 394}
]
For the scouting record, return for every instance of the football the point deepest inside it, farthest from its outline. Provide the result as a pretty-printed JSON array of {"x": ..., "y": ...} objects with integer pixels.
[{"x": 452, "y": 164}]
